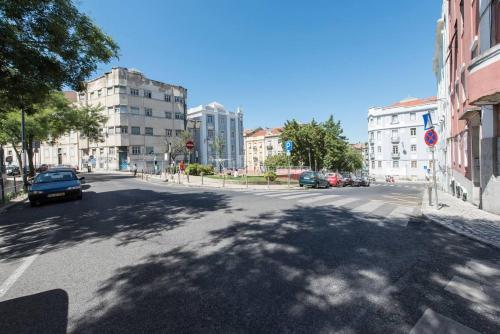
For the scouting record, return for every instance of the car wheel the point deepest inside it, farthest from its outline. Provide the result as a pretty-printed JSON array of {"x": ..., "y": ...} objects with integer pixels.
[
  {"x": 34, "y": 203},
  {"x": 79, "y": 197}
]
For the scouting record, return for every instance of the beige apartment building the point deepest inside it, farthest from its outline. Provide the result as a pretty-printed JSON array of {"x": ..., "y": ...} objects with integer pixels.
[
  {"x": 144, "y": 115},
  {"x": 259, "y": 145}
]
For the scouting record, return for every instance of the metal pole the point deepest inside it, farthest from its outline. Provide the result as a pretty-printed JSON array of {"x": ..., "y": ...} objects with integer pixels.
[
  {"x": 288, "y": 171},
  {"x": 15, "y": 186},
  {"x": 2, "y": 185},
  {"x": 434, "y": 178},
  {"x": 23, "y": 134},
  {"x": 309, "y": 151}
]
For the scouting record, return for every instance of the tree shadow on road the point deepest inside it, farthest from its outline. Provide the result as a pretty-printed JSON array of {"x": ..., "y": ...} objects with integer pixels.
[
  {"x": 126, "y": 215},
  {"x": 305, "y": 270}
]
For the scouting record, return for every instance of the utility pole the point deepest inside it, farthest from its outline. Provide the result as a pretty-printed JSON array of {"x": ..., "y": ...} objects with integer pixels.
[
  {"x": 23, "y": 134},
  {"x": 433, "y": 149},
  {"x": 309, "y": 152}
]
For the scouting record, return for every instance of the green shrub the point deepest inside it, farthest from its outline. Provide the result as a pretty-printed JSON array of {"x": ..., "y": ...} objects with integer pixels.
[
  {"x": 206, "y": 169},
  {"x": 193, "y": 169},
  {"x": 270, "y": 175}
]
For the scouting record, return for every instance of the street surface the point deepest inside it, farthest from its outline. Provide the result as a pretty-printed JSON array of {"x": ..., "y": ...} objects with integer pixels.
[{"x": 135, "y": 257}]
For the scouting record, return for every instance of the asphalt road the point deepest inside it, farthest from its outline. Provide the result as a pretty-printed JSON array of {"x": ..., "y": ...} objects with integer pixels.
[{"x": 142, "y": 257}]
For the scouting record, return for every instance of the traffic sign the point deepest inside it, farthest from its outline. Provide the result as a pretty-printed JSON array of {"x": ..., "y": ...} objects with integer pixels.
[
  {"x": 431, "y": 138},
  {"x": 428, "y": 121},
  {"x": 289, "y": 145},
  {"x": 189, "y": 144}
]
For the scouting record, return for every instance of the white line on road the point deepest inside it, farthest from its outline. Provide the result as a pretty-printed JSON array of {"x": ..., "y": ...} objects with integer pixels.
[
  {"x": 300, "y": 196},
  {"x": 9, "y": 282},
  {"x": 317, "y": 199},
  {"x": 369, "y": 207},
  {"x": 343, "y": 201},
  {"x": 281, "y": 194}
]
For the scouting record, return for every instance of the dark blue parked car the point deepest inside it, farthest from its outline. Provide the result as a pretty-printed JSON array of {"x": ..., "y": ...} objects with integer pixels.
[
  {"x": 54, "y": 185},
  {"x": 313, "y": 179}
]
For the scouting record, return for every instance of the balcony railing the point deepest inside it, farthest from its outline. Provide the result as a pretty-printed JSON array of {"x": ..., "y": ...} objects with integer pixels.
[
  {"x": 396, "y": 155},
  {"x": 395, "y": 140}
]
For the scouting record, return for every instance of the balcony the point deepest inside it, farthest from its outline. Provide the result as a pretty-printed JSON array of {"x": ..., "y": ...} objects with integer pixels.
[
  {"x": 371, "y": 140},
  {"x": 396, "y": 155},
  {"x": 269, "y": 147},
  {"x": 395, "y": 140}
]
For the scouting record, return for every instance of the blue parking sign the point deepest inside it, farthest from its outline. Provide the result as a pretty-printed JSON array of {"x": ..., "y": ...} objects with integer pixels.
[{"x": 288, "y": 145}]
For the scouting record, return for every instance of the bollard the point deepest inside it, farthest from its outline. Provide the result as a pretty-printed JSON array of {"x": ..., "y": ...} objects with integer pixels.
[
  {"x": 246, "y": 179},
  {"x": 187, "y": 175},
  {"x": 268, "y": 182},
  {"x": 15, "y": 186},
  {"x": 429, "y": 190},
  {"x": 201, "y": 178},
  {"x": 179, "y": 177},
  {"x": 223, "y": 180}
]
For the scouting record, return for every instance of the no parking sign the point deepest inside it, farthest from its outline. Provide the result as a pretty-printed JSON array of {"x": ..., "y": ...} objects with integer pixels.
[{"x": 431, "y": 138}]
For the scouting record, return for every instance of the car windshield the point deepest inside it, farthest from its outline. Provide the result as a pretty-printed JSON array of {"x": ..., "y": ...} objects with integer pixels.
[
  {"x": 308, "y": 174},
  {"x": 55, "y": 177}
]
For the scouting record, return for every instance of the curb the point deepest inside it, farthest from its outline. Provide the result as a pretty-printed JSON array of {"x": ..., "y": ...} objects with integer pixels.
[
  {"x": 11, "y": 204},
  {"x": 443, "y": 223}
]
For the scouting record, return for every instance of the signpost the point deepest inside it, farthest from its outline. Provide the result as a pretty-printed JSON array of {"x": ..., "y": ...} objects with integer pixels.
[
  {"x": 189, "y": 144},
  {"x": 431, "y": 139},
  {"x": 288, "y": 148}
]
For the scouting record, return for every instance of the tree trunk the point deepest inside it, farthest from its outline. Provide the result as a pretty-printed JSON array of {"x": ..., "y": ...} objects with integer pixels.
[{"x": 19, "y": 158}]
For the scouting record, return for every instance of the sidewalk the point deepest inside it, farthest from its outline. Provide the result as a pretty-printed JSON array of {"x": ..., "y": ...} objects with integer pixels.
[{"x": 463, "y": 218}]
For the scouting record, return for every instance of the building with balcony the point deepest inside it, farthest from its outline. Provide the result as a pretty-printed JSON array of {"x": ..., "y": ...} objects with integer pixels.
[
  {"x": 212, "y": 121},
  {"x": 261, "y": 144},
  {"x": 396, "y": 139},
  {"x": 143, "y": 115}
]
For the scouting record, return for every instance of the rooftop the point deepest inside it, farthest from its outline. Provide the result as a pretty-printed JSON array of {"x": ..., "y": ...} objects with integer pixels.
[
  {"x": 412, "y": 102},
  {"x": 269, "y": 132}
]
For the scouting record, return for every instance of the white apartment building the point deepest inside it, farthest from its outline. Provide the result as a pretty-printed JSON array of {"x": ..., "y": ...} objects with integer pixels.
[
  {"x": 143, "y": 116},
  {"x": 260, "y": 145},
  {"x": 211, "y": 121},
  {"x": 396, "y": 139}
]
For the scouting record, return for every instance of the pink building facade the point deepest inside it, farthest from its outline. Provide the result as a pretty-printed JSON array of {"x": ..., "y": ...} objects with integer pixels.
[{"x": 473, "y": 61}]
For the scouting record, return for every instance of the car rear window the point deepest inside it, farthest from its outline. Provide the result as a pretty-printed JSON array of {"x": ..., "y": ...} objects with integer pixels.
[
  {"x": 55, "y": 176},
  {"x": 309, "y": 174}
]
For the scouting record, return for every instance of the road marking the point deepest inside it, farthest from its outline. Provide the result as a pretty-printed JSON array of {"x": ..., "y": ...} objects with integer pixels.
[
  {"x": 369, "y": 207},
  {"x": 400, "y": 215},
  {"x": 9, "y": 282},
  {"x": 343, "y": 201},
  {"x": 300, "y": 195},
  {"x": 433, "y": 322},
  {"x": 269, "y": 192},
  {"x": 281, "y": 194},
  {"x": 317, "y": 199}
]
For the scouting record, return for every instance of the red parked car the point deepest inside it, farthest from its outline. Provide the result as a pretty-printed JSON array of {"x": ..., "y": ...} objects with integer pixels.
[{"x": 334, "y": 179}]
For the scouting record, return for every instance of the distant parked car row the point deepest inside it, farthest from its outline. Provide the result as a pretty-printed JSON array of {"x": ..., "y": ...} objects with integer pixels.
[{"x": 320, "y": 180}]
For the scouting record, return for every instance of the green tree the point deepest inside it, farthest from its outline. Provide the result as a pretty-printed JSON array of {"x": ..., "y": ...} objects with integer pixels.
[
  {"x": 176, "y": 146},
  {"x": 276, "y": 161},
  {"x": 45, "y": 45},
  {"x": 352, "y": 160},
  {"x": 49, "y": 121}
]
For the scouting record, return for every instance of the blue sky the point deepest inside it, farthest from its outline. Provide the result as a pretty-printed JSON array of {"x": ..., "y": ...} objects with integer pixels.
[{"x": 279, "y": 59}]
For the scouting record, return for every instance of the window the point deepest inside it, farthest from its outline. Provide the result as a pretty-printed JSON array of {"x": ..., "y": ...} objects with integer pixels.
[
  {"x": 92, "y": 95},
  {"x": 379, "y": 119},
  {"x": 394, "y": 119},
  {"x": 167, "y": 97},
  {"x": 373, "y": 164},
  {"x": 111, "y": 151},
  {"x": 99, "y": 93},
  {"x": 371, "y": 135},
  {"x": 380, "y": 164},
  {"x": 413, "y": 148},
  {"x": 413, "y": 164},
  {"x": 395, "y": 163},
  {"x": 136, "y": 150},
  {"x": 121, "y": 109},
  {"x": 148, "y": 131},
  {"x": 413, "y": 132},
  {"x": 111, "y": 130},
  {"x": 413, "y": 116},
  {"x": 178, "y": 99},
  {"x": 135, "y": 110},
  {"x": 121, "y": 89},
  {"x": 121, "y": 129},
  {"x": 210, "y": 119},
  {"x": 168, "y": 132},
  {"x": 178, "y": 133},
  {"x": 134, "y": 91},
  {"x": 111, "y": 110},
  {"x": 147, "y": 93},
  {"x": 135, "y": 130},
  {"x": 395, "y": 149},
  {"x": 462, "y": 16},
  {"x": 179, "y": 115},
  {"x": 379, "y": 149},
  {"x": 168, "y": 114},
  {"x": 395, "y": 134},
  {"x": 495, "y": 22},
  {"x": 211, "y": 134},
  {"x": 150, "y": 150},
  {"x": 148, "y": 111},
  {"x": 110, "y": 90},
  {"x": 379, "y": 135}
]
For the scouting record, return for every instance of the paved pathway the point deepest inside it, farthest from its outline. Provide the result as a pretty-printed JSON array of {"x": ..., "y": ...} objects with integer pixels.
[{"x": 464, "y": 218}]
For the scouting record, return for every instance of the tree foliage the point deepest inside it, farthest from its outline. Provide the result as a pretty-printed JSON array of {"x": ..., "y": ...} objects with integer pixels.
[
  {"x": 176, "y": 146},
  {"x": 323, "y": 142},
  {"x": 276, "y": 161},
  {"x": 45, "y": 45},
  {"x": 51, "y": 119}
]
